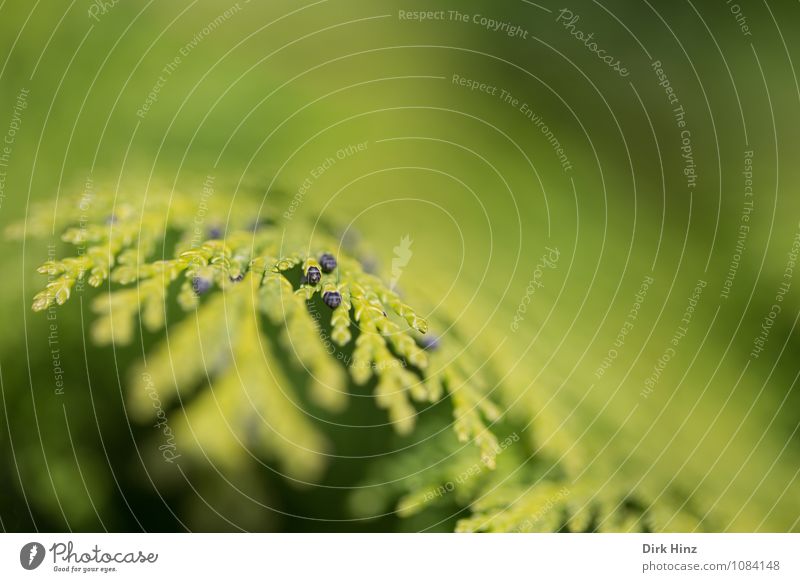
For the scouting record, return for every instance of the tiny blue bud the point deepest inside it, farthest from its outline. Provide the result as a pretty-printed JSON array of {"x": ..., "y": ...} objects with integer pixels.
[
  {"x": 313, "y": 276},
  {"x": 430, "y": 342},
  {"x": 332, "y": 299},
  {"x": 327, "y": 262},
  {"x": 200, "y": 285}
]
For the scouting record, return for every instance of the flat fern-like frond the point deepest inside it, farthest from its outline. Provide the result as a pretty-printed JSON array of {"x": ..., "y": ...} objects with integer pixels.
[{"x": 251, "y": 293}]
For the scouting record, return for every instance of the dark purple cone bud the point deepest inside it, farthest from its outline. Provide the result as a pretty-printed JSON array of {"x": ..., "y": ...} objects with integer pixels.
[
  {"x": 430, "y": 342},
  {"x": 327, "y": 262},
  {"x": 332, "y": 299},
  {"x": 313, "y": 275},
  {"x": 214, "y": 233},
  {"x": 200, "y": 285}
]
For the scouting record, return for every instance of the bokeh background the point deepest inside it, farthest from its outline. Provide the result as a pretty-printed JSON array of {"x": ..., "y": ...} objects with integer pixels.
[{"x": 263, "y": 96}]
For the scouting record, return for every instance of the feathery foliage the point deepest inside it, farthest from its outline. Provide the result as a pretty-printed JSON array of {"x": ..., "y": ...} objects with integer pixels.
[
  {"x": 241, "y": 284},
  {"x": 235, "y": 296}
]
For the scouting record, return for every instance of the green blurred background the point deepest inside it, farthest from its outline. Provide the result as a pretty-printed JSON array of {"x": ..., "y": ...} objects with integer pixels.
[{"x": 271, "y": 90}]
